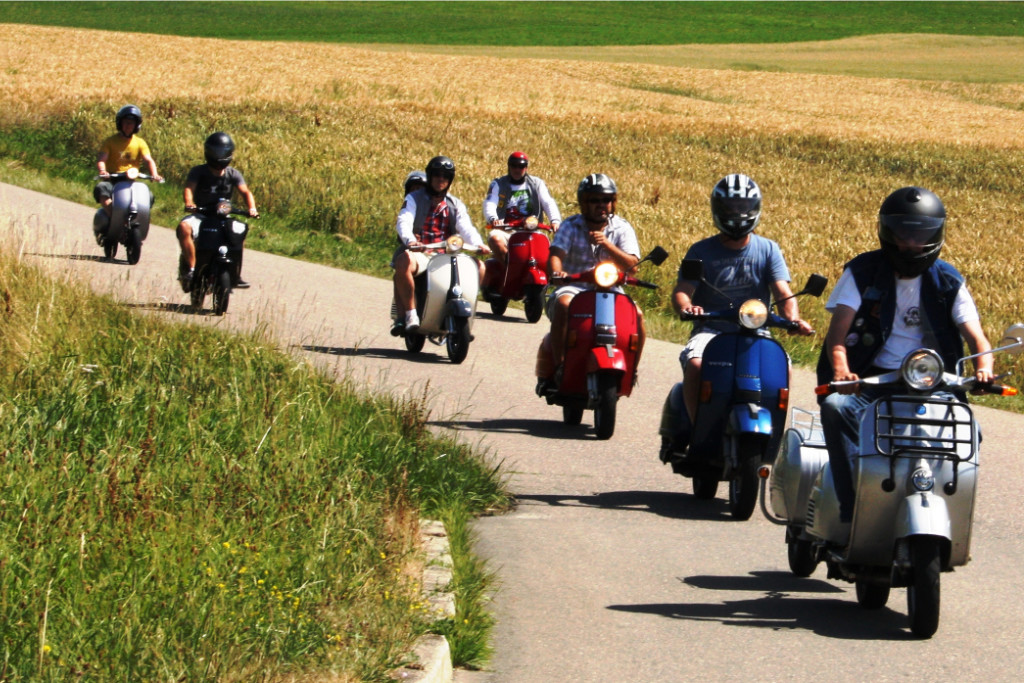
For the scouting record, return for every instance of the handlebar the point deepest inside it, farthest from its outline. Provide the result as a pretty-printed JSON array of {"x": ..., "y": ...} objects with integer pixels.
[{"x": 125, "y": 175}]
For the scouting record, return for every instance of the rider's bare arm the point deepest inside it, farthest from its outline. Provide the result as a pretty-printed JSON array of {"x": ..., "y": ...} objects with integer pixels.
[
  {"x": 789, "y": 309},
  {"x": 835, "y": 345},
  {"x": 977, "y": 342},
  {"x": 555, "y": 257},
  {"x": 682, "y": 298}
]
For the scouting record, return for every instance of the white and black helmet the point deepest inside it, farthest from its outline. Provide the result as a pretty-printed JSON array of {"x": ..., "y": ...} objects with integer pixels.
[
  {"x": 598, "y": 184},
  {"x": 736, "y": 205}
]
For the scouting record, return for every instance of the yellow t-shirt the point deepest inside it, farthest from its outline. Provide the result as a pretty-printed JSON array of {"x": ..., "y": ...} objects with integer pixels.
[{"x": 124, "y": 153}]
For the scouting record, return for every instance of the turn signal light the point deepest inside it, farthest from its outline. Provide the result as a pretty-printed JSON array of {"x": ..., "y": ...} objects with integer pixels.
[
  {"x": 634, "y": 342},
  {"x": 784, "y": 398}
]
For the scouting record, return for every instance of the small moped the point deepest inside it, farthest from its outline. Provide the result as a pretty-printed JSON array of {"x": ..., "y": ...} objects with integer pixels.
[
  {"x": 523, "y": 276},
  {"x": 743, "y": 405},
  {"x": 915, "y": 481},
  {"x": 128, "y": 222},
  {"x": 446, "y": 293},
  {"x": 601, "y": 347},
  {"x": 218, "y": 254}
]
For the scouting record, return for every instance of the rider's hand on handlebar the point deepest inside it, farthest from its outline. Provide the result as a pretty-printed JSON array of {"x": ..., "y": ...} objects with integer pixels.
[
  {"x": 690, "y": 311},
  {"x": 191, "y": 208},
  {"x": 802, "y": 327},
  {"x": 104, "y": 175},
  {"x": 846, "y": 377},
  {"x": 253, "y": 213},
  {"x": 484, "y": 249}
]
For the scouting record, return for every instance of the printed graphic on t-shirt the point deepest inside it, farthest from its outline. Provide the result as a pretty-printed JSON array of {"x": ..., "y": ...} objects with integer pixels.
[
  {"x": 519, "y": 200},
  {"x": 912, "y": 318},
  {"x": 735, "y": 276}
]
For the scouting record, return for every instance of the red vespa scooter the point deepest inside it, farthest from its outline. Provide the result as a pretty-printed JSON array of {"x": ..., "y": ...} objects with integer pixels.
[
  {"x": 522, "y": 277},
  {"x": 602, "y": 347}
]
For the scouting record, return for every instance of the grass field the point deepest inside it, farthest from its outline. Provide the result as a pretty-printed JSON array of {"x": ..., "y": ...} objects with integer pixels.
[
  {"x": 544, "y": 23},
  {"x": 326, "y": 134}
]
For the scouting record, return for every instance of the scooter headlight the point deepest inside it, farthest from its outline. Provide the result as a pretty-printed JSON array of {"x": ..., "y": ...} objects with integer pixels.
[
  {"x": 923, "y": 479},
  {"x": 922, "y": 369},
  {"x": 531, "y": 223},
  {"x": 453, "y": 244},
  {"x": 132, "y": 173},
  {"x": 223, "y": 208},
  {"x": 753, "y": 314},
  {"x": 606, "y": 275}
]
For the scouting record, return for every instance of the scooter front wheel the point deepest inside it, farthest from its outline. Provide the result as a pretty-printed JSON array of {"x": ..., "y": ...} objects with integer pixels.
[
  {"x": 743, "y": 486},
  {"x": 607, "y": 400},
  {"x": 133, "y": 248},
  {"x": 534, "y": 303},
  {"x": 222, "y": 293},
  {"x": 923, "y": 591},
  {"x": 457, "y": 341}
]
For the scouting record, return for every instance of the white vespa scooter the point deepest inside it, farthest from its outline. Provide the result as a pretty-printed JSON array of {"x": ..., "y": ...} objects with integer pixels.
[
  {"x": 128, "y": 222},
  {"x": 445, "y": 300},
  {"x": 914, "y": 480}
]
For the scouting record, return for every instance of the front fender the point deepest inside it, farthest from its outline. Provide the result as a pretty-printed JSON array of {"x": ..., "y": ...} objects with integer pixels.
[
  {"x": 606, "y": 358},
  {"x": 923, "y": 514},
  {"x": 535, "y": 276},
  {"x": 750, "y": 418},
  {"x": 459, "y": 308}
]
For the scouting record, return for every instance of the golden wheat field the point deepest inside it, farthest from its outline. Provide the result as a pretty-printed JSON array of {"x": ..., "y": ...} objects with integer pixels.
[{"x": 336, "y": 128}]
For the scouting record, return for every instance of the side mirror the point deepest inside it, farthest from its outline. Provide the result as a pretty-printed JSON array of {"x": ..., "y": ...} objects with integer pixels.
[
  {"x": 657, "y": 256},
  {"x": 692, "y": 269},
  {"x": 1013, "y": 339},
  {"x": 815, "y": 285}
]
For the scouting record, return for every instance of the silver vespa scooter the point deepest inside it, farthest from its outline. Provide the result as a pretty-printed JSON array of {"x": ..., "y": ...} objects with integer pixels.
[{"x": 915, "y": 483}]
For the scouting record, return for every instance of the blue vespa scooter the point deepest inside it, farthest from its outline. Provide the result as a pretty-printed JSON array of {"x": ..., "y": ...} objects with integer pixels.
[{"x": 744, "y": 399}]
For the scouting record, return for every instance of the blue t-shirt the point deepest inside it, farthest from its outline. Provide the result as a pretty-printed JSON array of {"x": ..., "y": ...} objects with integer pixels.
[{"x": 740, "y": 274}]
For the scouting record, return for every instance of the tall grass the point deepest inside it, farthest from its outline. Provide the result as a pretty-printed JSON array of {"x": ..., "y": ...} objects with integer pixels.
[{"x": 182, "y": 504}]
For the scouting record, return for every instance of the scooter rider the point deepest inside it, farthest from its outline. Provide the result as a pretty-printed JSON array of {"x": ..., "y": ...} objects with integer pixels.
[
  {"x": 205, "y": 185},
  {"x": 119, "y": 152},
  {"x": 888, "y": 303},
  {"x": 738, "y": 262},
  {"x": 518, "y": 190},
  {"x": 428, "y": 214},
  {"x": 585, "y": 239}
]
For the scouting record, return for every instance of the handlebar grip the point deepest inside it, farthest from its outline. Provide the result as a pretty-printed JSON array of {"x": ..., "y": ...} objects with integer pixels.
[
  {"x": 823, "y": 390},
  {"x": 996, "y": 389}
]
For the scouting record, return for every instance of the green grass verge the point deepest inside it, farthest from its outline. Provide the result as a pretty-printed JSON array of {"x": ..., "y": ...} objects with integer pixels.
[
  {"x": 542, "y": 23},
  {"x": 178, "y": 503}
]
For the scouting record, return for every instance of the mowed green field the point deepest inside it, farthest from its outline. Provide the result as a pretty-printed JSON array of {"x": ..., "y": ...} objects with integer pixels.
[{"x": 528, "y": 23}]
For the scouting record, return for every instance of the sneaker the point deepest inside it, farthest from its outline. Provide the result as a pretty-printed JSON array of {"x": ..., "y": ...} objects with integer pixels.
[
  {"x": 412, "y": 321},
  {"x": 185, "y": 278},
  {"x": 397, "y": 328},
  {"x": 241, "y": 284}
]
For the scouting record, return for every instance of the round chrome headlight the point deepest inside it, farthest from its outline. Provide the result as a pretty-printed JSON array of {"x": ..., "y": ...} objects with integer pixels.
[
  {"x": 132, "y": 173},
  {"x": 454, "y": 244},
  {"x": 753, "y": 314},
  {"x": 923, "y": 479},
  {"x": 531, "y": 223},
  {"x": 223, "y": 208},
  {"x": 922, "y": 369},
  {"x": 606, "y": 274}
]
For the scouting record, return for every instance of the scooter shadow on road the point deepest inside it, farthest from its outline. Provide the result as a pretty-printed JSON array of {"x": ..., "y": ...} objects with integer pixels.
[
  {"x": 83, "y": 257},
  {"x": 662, "y": 503},
  {"x": 163, "y": 306},
  {"x": 778, "y": 608},
  {"x": 544, "y": 429},
  {"x": 372, "y": 352}
]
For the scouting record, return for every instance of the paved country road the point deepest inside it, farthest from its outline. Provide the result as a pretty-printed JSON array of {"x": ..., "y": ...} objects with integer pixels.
[{"x": 609, "y": 569}]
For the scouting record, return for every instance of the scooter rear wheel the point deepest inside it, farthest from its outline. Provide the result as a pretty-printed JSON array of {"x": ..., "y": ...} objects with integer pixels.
[
  {"x": 872, "y": 595},
  {"x": 572, "y": 415},
  {"x": 705, "y": 486},
  {"x": 498, "y": 305},
  {"x": 800, "y": 554},
  {"x": 414, "y": 342}
]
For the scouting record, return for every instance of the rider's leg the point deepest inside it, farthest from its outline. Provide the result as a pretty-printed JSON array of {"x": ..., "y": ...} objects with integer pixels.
[
  {"x": 405, "y": 287},
  {"x": 840, "y": 423},
  {"x": 188, "y": 247},
  {"x": 498, "y": 242},
  {"x": 691, "y": 386},
  {"x": 559, "y": 327},
  {"x": 237, "y": 275}
]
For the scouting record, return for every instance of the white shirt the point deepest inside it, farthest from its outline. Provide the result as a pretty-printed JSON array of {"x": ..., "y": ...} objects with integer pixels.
[{"x": 906, "y": 335}]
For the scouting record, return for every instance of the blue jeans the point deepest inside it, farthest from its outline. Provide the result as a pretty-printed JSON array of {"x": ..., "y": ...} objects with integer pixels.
[{"x": 841, "y": 415}]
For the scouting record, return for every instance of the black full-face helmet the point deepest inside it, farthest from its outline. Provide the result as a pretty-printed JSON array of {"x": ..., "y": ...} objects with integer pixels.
[
  {"x": 912, "y": 229},
  {"x": 219, "y": 150},
  {"x": 440, "y": 166},
  {"x": 126, "y": 112},
  {"x": 414, "y": 181},
  {"x": 736, "y": 205}
]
